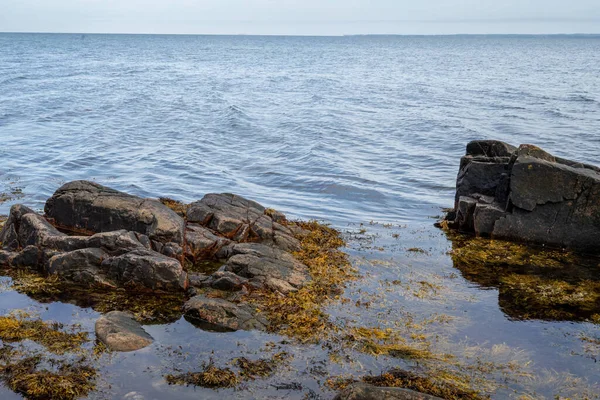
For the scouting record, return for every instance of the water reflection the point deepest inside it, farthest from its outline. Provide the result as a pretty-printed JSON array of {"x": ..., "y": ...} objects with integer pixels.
[{"x": 533, "y": 282}]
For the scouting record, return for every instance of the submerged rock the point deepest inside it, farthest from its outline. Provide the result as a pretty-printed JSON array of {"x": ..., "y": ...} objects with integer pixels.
[
  {"x": 222, "y": 315},
  {"x": 364, "y": 391},
  {"x": 120, "y": 332},
  {"x": 528, "y": 195},
  {"x": 84, "y": 206}
]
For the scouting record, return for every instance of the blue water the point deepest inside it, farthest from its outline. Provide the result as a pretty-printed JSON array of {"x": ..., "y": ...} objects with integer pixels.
[
  {"x": 347, "y": 129},
  {"x": 343, "y": 128}
]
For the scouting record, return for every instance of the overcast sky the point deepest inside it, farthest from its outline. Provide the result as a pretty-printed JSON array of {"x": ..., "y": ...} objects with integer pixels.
[{"x": 301, "y": 17}]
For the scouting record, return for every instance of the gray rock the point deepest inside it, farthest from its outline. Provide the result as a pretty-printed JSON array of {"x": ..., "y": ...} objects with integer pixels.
[
  {"x": 363, "y": 391},
  {"x": 222, "y": 315},
  {"x": 532, "y": 197},
  {"x": 260, "y": 262},
  {"x": 83, "y": 267},
  {"x": 145, "y": 269},
  {"x": 26, "y": 228},
  {"x": 242, "y": 220},
  {"x": 280, "y": 286},
  {"x": 93, "y": 208},
  {"x": 27, "y": 258},
  {"x": 120, "y": 332}
]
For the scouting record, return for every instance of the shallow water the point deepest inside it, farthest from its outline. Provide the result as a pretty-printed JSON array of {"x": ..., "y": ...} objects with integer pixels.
[{"x": 348, "y": 129}]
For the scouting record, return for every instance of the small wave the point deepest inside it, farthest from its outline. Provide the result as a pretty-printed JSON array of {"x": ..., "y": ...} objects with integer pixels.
[
  {"x": 13, "y": 79},
  {"x": 582, "y": 98}
]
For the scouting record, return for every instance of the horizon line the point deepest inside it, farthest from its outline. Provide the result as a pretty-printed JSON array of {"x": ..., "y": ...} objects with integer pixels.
[{"x": 296, "y": 35}]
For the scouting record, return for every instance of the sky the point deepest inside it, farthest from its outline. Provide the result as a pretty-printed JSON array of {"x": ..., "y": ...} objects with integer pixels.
[{"x": 301, "y": 17}]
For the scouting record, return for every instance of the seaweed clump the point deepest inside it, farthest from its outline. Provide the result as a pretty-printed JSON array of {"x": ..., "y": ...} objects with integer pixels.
[
  {"x": 175, "y": 205},
  {"x": 300, "y": 315},
  {"x": 16, "y": 328},
  {"x": 27, "y": 376},
  {"x": 378, "y": 342},
  {"x": 146, "y": 307},
  {"x": 213, "y": 377},
  {"x": 409, "y": 380},
  {"x": 210, "y": 377},
  {"x": 262, "y": 368},
  {"x": 34, "y": 374}
]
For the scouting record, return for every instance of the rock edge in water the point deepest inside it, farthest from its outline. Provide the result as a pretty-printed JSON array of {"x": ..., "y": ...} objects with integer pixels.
[{"x": 526, "y": 194}]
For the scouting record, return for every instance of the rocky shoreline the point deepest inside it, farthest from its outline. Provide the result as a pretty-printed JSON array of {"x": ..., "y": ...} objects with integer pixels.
[
  {"x": 98, "y": 239},
  {"x": 227, "y": 263}
]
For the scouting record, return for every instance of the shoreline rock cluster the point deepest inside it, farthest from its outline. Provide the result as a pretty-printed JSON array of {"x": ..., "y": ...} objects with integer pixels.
[
  {"x": 526, "y": 194},
  {"x": 97, "y": 237}
]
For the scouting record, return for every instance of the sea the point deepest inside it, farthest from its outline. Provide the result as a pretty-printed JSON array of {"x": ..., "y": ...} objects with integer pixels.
[{"x": 362, "y": 132}]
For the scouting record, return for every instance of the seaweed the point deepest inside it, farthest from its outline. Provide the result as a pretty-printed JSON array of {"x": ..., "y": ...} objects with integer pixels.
[
  {"x": 175, "y": 205},
  {"x": 263, "y": 368},
  {"x": 210, "y": 377},
  {"x": 300, "y": 315},
  {"x": 409, "y": 380},
  {"x": 67, "y": 380},
  {"x": 51, "y": 335}
]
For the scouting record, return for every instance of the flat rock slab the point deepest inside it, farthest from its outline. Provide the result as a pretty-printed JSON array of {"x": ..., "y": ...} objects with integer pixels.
[
  {"x": 120, "y": 332},
  {"x": 92, "y": 208},
  {"x": 222, "y": 315},
  {"x": 363, "y": 391}
]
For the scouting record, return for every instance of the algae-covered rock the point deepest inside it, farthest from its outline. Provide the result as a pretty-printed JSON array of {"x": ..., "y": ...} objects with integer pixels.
[
  {"x": 120, "y": 332},
  {"x": 363, "y": 391}
]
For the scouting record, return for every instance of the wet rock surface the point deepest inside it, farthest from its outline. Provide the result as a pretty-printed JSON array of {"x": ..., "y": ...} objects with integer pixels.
[
  {"x": 120, "y": 332},
  {"x": 526, "y": 194},
  {"x": 364, "y": 391},
  {"x": 222, "y": 315}
]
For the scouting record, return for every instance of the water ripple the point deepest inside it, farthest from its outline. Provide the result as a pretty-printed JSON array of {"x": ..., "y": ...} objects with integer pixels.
[{"x": 342, "y": 128}]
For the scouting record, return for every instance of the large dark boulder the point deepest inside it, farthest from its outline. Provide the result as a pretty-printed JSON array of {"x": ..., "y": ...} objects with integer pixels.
[
  {"x": 88, "y": 207},
  {"x": 144, "y": 268},
  {"x": 527, "y": 194}
]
